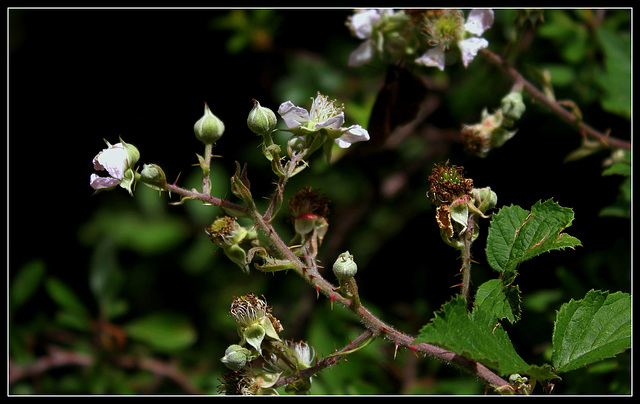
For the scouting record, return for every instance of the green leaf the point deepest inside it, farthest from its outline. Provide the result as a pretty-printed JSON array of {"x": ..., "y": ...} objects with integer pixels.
[
  {"x": 591, "y": 329},
  {"x": 616, "y": 79},
  {"x": 516, "y": 235},
  {"x": 65, "y": 297},
  {"x": 476, "y": 335},
  {"x": 502, "y": 300},
  {"x": 165, "y": 332},
  {"x": 25, "y": 282}
]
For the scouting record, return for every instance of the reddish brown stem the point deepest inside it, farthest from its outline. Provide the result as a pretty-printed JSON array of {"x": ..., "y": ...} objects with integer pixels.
[{"x": 554, "y": 106}]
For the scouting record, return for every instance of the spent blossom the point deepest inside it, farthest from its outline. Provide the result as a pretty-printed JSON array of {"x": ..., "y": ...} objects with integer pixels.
[
  {"x": 118, "y": 161},
  {"x": 442, "y": 31}
]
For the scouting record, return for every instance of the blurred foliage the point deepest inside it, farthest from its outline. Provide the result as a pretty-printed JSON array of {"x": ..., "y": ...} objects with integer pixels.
[{"x": 150, "y": 305}]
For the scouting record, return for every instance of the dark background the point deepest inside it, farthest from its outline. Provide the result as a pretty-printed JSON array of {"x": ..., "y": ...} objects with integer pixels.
[{"x": 77, "y": 77}]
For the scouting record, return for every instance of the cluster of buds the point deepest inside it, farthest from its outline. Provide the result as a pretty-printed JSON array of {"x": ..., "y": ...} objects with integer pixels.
[
  {"x": 495, "y": 129},
  {"x": 458, "y": 202},
  {"x": 227, "y": 233},
  {"x": 258, "y": 330}
]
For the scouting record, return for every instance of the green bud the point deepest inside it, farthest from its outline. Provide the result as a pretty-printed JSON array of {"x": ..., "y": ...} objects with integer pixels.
[
  {"x": 209, "y": 128},
  {"x": 484, "y": 198},
  {"x": 512, "y": 106},
  {"x": 153, "y": 176},
  {"x": 261, "y": 120},
  {"x": 345, "y": 267},
  {"x": 133, "y": 154},
  {"x": 236, "y": 357},
  {"x": 296, "y": 144}
]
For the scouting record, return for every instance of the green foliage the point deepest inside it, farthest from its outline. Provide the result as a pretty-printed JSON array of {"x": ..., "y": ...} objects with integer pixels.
[
  {"x": 517, "y": 235},
  {"x": 164, "y": 332},
  {"x": 502, "y": 300},
  {"x": 591, "y": 329},
  {"x": 477, "y": 335},
  {"x": 25, "y": 283}
]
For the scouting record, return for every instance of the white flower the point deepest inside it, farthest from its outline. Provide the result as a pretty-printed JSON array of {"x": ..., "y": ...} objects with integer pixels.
[
  {"x": 478, "y": 21},
  {"x": 118, "y": 161},
  {"x": 323, "y": 115},
  {"x": 367, "y": 25}
]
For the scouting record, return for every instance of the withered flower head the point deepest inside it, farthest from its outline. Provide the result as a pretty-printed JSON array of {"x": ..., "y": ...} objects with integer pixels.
[
  {"x": 307, "y": 203},
  {"x": 475, "y": 140},
  {"x": 447, "y": 183},
  {"x": 225, "y": 230}
]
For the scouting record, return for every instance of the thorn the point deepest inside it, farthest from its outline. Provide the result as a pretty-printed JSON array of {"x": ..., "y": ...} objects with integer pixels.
[
  {"x": 332, "y": 299},
  {"x": 414, "y": 350},
  {"x": 455, "y": 286},
  {"x": 317, "y": 291},
  {"x": 396, "y": 351}
]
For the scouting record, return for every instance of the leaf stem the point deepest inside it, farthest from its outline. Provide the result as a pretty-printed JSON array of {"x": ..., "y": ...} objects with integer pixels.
[{"x": 554, "y": 106}]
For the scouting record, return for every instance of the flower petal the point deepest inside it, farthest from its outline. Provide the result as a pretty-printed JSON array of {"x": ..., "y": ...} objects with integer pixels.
[
  {"x": 293, "y": 116},
  {"x": 433, "y": 57},
  {"x": 114, "y": 160},
  {"x": 362, "y": 23},
  {"x": 479, "y": 20},
  {"x": 363, "y": 54},
  {"x": 354, "y": 134},
  {"x": 98, "y": 182},
  {"x": 470, "y": 47},
  {"x": 335, "y": 122}
]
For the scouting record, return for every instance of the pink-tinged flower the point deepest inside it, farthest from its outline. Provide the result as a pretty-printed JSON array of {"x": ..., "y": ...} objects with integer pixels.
[
  {"x": 478, "y": 21},
  {"x": 117, "y": 160}
]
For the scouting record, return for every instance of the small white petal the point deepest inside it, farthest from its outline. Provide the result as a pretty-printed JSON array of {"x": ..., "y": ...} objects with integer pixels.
[
  {"x": 470, "y": 47},
  {"x": 293, "y": 116},
  {"x": 433, "y": 57},
  {"x": 114, "y": 160},
  {"x": 479, "y": 20},
  {"x": 98, "y": 182},
  {"x": 335, "y": 122},
  {"x": 354, "y": 134},
  {"x": 363, "y": 54},
  {"x": 362, "y": 23}
]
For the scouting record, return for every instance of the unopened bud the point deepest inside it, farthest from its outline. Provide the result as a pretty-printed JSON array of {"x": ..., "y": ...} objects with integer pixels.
[
  {"x": 209, "y": 128},
  {"x": 261, "y": 120},
  {"x": 153, "y": 176},
  {"x": 345, "y": 267},
  {"x": 512, "y": 106}
]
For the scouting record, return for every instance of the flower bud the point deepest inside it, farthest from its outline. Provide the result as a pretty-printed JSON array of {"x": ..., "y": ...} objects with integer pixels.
[
  {"x": 512, "y": 106},
  {"x": 153, "y": 176},
  {"x": 345, "y": 267},
  {"x": 209, "y": 128},
  {"x": 261, "y": 120},
  {"x": 484, "y": 198},
  {"x": 236, "y": 357}
]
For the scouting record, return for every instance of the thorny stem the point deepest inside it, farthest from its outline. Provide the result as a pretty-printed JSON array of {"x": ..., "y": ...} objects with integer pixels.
[
  {"x": 327, "y": 361},
  {"x": 205, "y": 198},
  {"x": 554, "y": 106},
  {"x": 309, "y": 272},
  {"x": 276, "y": 200},
  {"x": 206, "y": 181},
  {"x": 378, "y": 327},
  {"x": 465, "y": 251}
]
